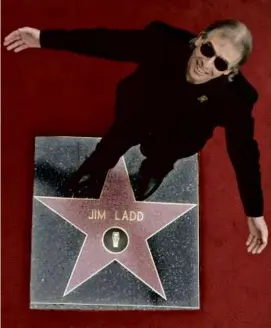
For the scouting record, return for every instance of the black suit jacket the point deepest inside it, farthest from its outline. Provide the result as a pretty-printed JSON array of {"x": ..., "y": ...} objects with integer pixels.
[{"x": 170, "y": 111}]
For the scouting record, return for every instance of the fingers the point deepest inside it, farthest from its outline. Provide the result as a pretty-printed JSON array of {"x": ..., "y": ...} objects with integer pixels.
[
  {"x": 23, "y": 47},
  {"x": 265, "y": 235},
  {"x": 261, "y": 247},
  {"x": 250, "y": 237},
  {"x": 256, "y": 245},
  {"x": 15, "y": 44},
  {"x": 13, "y": 36},
  {"x": 10, "y": 40},
  {"x": 16, "y": 35},
  {"x": 263, "y": 243},
  {"x": 255, "y": 249},
  {"x": 253, "y": 243}
]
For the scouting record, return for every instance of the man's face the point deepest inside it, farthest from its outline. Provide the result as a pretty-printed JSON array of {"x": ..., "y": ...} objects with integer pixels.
[{"x": 204, "y": 65}]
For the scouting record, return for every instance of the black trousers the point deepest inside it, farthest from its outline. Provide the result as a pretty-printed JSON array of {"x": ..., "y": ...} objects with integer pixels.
[{"x": 117, "y": 141}]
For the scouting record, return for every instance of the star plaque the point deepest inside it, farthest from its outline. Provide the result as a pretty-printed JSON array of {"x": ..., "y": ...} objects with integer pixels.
[{"x": 112, "y": 251}]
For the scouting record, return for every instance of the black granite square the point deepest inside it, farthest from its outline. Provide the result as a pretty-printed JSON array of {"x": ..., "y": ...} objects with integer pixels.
[{"x": 113, "y": 252}]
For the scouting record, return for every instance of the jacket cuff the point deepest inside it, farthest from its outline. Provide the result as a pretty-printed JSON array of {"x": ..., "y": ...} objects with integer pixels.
[
  {"x": 255, "y": 209},
  {"x": 51, "y": 38}
]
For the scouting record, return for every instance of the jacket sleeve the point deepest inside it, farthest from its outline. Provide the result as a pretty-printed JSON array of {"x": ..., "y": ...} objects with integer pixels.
[
  {"x": 112, "y": 44},
  {"x": 244, "y": 154}
]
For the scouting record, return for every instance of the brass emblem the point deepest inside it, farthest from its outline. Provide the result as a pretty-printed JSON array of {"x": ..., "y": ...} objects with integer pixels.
[{"x": 202, "y": 98}]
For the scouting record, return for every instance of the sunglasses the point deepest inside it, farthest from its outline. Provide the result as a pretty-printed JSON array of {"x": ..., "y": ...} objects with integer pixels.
[{"x": 208, "y": 51}]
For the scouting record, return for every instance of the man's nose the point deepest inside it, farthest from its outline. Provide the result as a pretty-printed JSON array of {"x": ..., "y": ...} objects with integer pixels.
[{"x": 209, "y": 62}]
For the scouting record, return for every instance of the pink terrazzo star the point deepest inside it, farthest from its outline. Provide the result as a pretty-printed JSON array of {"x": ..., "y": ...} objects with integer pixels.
[{"x": 116, "y": 207}]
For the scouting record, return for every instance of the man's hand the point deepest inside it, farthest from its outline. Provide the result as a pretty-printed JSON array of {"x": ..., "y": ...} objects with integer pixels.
[
  {"x": 258, "y": 236},
  {"x": 22, "y": 38}
]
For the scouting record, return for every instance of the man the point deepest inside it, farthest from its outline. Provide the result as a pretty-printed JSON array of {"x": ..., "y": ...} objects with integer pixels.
[{"x": 183, "y": 87}]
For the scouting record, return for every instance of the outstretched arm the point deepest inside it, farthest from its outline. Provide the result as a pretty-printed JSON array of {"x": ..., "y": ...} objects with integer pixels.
[
  {"x": 113, "y": 44},
  {"x": 244, "y": 155},
  {"x": 120, "y": 45}
]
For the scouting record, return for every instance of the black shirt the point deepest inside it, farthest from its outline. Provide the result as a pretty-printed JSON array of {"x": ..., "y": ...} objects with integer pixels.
[{"x": 173, "y": 114}]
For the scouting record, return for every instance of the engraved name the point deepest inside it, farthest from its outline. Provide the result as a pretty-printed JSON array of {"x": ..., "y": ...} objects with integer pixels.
[{"x": 118, "y": 215}]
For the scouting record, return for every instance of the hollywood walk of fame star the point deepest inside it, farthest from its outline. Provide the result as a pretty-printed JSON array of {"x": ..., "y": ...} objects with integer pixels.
[{"x": 118, "y": 212}]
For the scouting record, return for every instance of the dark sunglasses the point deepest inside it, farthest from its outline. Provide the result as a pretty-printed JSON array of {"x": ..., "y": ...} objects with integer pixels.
[{"x": 208, "y": 51}]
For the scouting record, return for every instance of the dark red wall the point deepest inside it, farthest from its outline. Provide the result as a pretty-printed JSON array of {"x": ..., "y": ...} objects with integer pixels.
[{"x": 48, "y": 93}]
